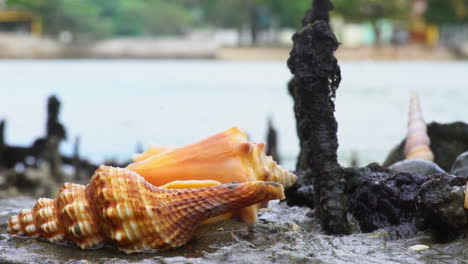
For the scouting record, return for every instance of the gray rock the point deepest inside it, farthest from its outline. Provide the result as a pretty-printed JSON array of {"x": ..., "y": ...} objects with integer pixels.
[
  {"x": 448, "y": 141},
  {"x": 460, "y": 166},
  {"x": 422, "y": 167}
]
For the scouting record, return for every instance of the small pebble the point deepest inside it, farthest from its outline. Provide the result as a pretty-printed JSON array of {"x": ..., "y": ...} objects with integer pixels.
[
  {"x": 418, "y": 247},
  {"x": 83, "y": 261},
  {"x": 294, "y": 227},
  {"x": 466, "y": 197}
]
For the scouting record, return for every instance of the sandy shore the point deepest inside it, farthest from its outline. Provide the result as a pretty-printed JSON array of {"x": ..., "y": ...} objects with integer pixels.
[
  {"x": 343, "y": 53},
  {"x": 32, "y": 47}
]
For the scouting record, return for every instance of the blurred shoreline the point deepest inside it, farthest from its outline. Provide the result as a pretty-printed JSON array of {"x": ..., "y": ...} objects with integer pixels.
[
  {"x": 407, "y": 52},
  {"x": 13, "y": 46}
]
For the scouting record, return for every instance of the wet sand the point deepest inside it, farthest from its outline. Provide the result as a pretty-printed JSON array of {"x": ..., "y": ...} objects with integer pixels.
[{"x": 282, "y": 235}]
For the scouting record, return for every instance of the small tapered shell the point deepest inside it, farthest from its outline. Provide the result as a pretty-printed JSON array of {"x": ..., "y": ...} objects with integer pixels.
[
  {"x": 417, "y": 145},
  {"x": 466, "y": 196},
  {"x": 225, "y": 157},
  {"x": 121, "y": 207}
]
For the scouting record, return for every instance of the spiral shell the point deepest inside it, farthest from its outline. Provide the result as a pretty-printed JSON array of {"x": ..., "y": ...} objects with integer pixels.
[
  {"x": 121, "y": 207},
  {"x": 417, "y": 145},
  {"x": 225, "y": 157}
]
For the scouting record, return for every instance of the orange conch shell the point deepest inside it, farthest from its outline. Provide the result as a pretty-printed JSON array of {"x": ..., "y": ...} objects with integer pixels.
[
  {"x": 417, "y": 144},
  {"x": 151, "y": 151},
  {"x": 121, "y": 207},
  {"x": 225, "y": 157}
]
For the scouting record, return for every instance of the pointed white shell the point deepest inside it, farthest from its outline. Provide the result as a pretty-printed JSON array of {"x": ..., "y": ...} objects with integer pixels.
[{"x": 417, "y": 144}]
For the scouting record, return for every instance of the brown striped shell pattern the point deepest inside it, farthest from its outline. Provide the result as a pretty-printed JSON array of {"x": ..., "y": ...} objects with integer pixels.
[{"x": 120, "y": 207}]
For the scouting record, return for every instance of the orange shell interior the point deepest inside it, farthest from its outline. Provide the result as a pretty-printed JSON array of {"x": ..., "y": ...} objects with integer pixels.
[
  {"x": 225, "y": 157},
  {"x": 152, "y": 150}
]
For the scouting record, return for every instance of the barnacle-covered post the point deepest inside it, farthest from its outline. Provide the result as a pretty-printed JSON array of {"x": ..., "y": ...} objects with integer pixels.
[{"x": 316, "y": 78}]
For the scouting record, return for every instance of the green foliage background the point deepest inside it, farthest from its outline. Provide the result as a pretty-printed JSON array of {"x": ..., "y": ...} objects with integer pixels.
[
  {"x": 104, "y": 18},
  {"x": 447, "y": 11}
]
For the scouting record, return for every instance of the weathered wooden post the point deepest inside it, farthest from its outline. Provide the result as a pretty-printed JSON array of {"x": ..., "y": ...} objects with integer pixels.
[
  {"x": 55, "y": 134},
  {"x": 76, "y": 158},
  {"x": 272, "y": 142}
]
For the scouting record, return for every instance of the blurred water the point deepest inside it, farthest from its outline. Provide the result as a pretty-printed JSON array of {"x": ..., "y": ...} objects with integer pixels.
[{"x": 114, "y": 104}]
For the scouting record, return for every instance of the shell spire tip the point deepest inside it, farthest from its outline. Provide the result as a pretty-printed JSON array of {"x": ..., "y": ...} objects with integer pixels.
[{"x": 417, "y": 145}]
